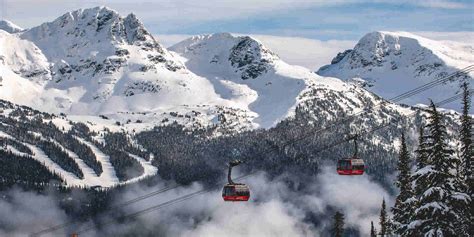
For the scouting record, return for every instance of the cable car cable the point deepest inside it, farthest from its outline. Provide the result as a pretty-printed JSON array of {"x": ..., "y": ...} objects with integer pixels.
[
  {"x": 207, "y": 190},
  {"x": 165, "y": 204},
  {"x": 126, "y": 203},
  {"x": 445, "y": 101},
  {"x": 199, "y": 192},
  {"x": 394, "y": 99},
  {"x": 398, "y": 98}
]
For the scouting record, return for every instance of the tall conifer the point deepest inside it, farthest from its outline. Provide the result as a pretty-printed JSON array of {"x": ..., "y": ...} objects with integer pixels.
[
  {"x": 402, "y": 211},
  {"x": 383, "y": 219},
  {"x": 436, "y": 214}
]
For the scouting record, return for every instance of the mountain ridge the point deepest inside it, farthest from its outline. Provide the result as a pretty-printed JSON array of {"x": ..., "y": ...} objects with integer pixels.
[
  {"x": 94, "y": 64},
  {"x": 389, "y": 62},
  {"x": 9, "y": 27}
]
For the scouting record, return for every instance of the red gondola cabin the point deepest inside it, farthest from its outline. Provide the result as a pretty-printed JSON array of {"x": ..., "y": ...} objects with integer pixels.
[
  {"x": 236, "y": 192},
  {"x": 350, "y": 166}
]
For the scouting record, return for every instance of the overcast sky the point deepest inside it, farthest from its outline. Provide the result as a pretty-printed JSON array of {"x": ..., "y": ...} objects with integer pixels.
[{"x": 317, "y": 29}]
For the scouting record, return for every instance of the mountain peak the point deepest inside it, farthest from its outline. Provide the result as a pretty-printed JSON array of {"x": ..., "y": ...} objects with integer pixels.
[
  {"x": 251, "y": 57},
  {"x": 98, "y": 42},
  {"x": 136, "y": 31},
  {"x": 382, "y": 48},
  {"x": 244, "y": 55},
  {"x": 9, "y": 27},
  {"x": 101, "y": 23},
  {"x": 384, "y": 61}
]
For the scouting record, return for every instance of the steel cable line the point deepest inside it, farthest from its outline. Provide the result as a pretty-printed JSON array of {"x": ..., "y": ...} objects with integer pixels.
[
  {"x": 445, "y": 101},
  {"x": 393, "y": 100},
  {"x": 165, "y": 204},
  {"x": 304, "y": 136},
  {"x": 432, "y": 84},
  {"x": 210, "y": 189},
  {"x": 126, "y": 203}
]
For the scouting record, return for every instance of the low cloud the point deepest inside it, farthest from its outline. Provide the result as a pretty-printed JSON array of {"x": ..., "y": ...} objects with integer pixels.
[
  {"x": 22, "y": 213},
  {"x": 466, "y": 37},
  {"x": 275, "y": 209}
]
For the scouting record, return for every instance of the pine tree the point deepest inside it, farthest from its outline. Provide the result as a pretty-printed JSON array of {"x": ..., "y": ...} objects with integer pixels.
[
  {"x": 402, "y": 211},
  {"x": 338, "y": 228},
  {"x": 465, "y": 182},
  {"x": 390, "y": 227},
  {"x": 421, "y": 152},
  {"x": 466, "y": 134},
  {"x": 435, "y": 214},
  {"x": 373, "y": 231},
  {"x": 383, "y": 219},
  {"x": 419, "y": 182}
]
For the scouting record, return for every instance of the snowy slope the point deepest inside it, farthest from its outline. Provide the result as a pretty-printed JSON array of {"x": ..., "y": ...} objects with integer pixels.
[
  {"x": 389, "y": 63},
  {"x": 22, "y": 57},
  {"x": 243, "y": 70},
  {"x": 95, "y": 62},
  {"x": 9, "y": 27},
  {"x": 9, "y": 113}
]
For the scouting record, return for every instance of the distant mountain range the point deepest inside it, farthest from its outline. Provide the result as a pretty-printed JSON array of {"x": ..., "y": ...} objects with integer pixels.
[{"x": 94, "y": 62}]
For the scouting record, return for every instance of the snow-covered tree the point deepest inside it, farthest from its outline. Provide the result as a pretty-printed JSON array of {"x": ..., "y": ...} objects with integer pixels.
[
  {"x": 436, "y": 213},
  {"x": 403, "y": 209},
  {"x": 466, "y": 134},
  {"x": 465, "y": 178},
  {"x": 419, "y": 181},
  {"x": 421, "y": 152}
]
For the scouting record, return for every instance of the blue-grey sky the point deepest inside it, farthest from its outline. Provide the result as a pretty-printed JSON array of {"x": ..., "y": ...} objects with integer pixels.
[{"x": 315, "y": 19}]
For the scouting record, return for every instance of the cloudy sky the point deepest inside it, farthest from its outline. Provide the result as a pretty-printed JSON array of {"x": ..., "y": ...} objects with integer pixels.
[{"x": 320, "y": 28}]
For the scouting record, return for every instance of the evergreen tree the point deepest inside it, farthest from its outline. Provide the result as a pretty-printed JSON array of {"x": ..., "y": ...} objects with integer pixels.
[
  {"x": 421, "y": 152},
  {"x": 465, "y": 182},
  {"x": 373, "y": 231},
  {"x": 466, "y": 135},
  {"x": 435, "y": 214},
  {"x": 383, "y": 219},
  {"x": 338, "y": 228},
  {"x": 419, "y": 181},
  {"x": 402, "y": 210}
]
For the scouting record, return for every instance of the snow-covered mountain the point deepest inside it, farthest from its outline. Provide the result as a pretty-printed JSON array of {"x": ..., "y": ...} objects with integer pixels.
[
  {"x": 389, "y": 63},
  {"x": 9, "y": 27},
  {"x": 97, "y": 66},
  {"x": 95, "y": 62},
  {"x": 243, "y": 70}
]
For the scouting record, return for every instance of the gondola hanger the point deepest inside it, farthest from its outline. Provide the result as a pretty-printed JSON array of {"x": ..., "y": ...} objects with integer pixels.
[
  {"x": 235, "y": 191},
  {"x": 353, "y": 165}
]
